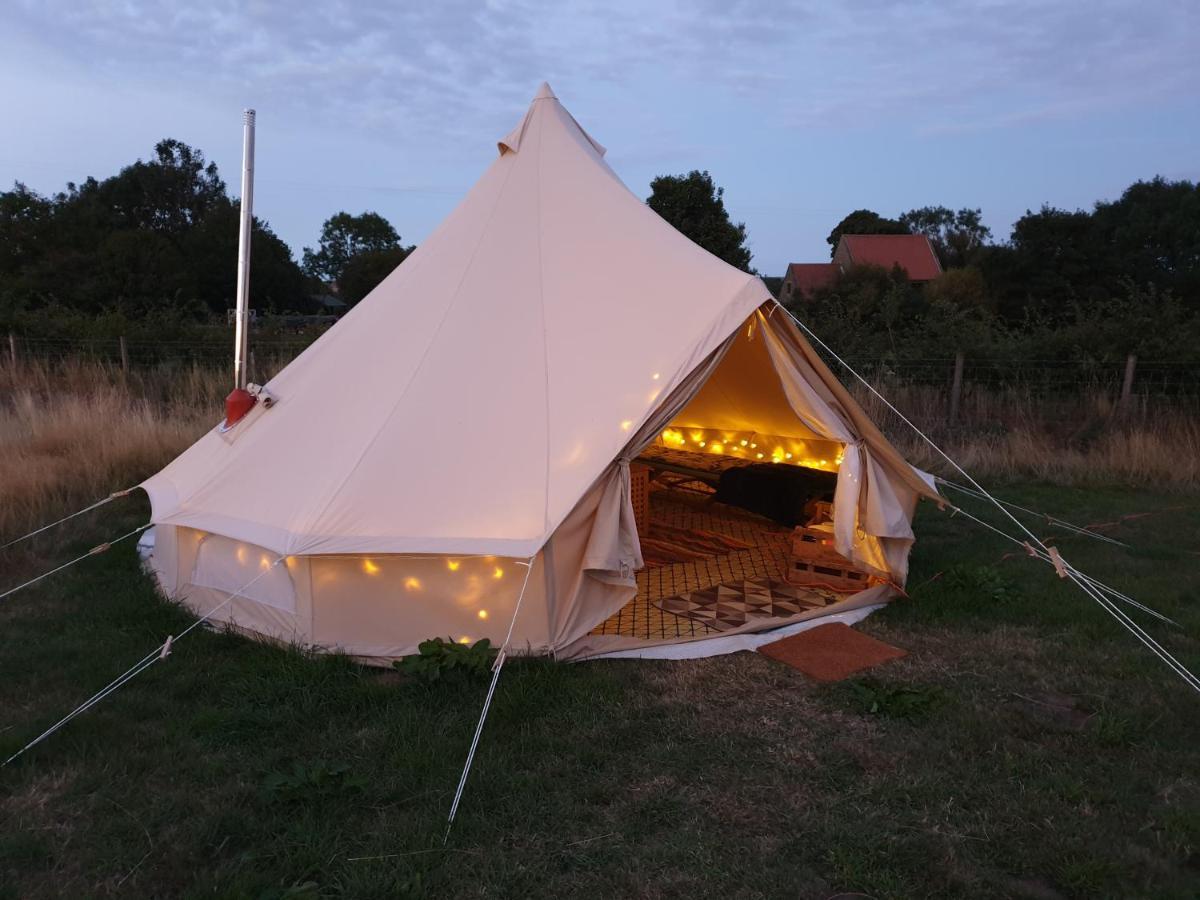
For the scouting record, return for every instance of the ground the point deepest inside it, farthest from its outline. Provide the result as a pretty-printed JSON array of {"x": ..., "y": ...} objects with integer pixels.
[{"x": 1027, "y": 747}]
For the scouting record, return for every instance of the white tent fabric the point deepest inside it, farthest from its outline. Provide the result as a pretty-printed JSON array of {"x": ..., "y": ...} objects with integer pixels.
[{"x": 481, "y": 406}]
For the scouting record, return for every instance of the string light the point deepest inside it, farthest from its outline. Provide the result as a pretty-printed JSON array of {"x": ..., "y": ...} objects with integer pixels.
[
  {"x": 483, "y": 614},
  {"x": 369, "y": 567},
  {"x": 498, "y": 572},
  {"x": 412, "y": 584},
  {"x": 464, "y": 640},
  {"x": 453, "y": 564}
]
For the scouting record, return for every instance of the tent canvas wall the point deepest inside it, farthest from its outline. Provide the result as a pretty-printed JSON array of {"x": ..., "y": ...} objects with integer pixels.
[{"x": 479, "y": 410}]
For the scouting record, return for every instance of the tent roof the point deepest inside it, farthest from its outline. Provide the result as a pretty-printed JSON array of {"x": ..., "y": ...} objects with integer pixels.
[{"x": 469, "y": 401}]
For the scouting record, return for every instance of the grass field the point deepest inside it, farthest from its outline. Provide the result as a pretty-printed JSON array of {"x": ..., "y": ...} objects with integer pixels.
[{"x": 1026, "y": 747}]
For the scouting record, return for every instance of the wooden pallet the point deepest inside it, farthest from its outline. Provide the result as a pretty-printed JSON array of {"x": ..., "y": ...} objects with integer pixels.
[{"x": 815, "y": 562}]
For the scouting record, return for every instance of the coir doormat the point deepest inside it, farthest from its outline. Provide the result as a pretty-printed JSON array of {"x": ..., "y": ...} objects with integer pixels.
[{"x": 831, "y": 652}]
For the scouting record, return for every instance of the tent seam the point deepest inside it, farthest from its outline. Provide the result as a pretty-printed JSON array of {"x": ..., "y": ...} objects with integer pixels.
[{"x": 545, "y": 344}]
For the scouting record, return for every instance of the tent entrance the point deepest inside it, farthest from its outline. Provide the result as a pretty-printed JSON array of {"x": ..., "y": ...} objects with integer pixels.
[{"x": 711, "y": 568}]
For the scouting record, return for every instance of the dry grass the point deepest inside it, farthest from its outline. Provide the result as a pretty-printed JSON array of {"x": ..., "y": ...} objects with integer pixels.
[
  {"x": 1068, "y": 440},
  {"x": 72, "y": 431}
]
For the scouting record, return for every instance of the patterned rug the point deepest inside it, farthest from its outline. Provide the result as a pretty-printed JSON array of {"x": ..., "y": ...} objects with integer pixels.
[
  {"x": 667, "y": 544},
  {"x": 724, "y": 607}
]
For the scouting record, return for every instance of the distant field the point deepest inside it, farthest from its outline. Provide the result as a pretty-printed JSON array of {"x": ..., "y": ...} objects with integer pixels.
[{"x": 1026, "y": 748}]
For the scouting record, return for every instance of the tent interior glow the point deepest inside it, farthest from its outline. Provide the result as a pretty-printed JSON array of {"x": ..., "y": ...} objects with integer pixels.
[{"x": 501, "y": 325}]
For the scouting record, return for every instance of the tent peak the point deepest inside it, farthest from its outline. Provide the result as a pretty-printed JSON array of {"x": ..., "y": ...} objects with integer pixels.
[{"x": 511, "y": 142}]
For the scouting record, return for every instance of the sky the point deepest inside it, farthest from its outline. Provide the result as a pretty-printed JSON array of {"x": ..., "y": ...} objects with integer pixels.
[{"x": 802, "y": 111}]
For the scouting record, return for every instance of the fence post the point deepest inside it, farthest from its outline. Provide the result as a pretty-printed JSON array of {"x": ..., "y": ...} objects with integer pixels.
[
  {"x": 1127, "y": 384},
  {"x": 124, "y": 357},
  {"x": 956, "y": 386}
]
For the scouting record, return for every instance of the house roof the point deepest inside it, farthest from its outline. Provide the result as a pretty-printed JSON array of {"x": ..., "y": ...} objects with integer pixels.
[
  {"x": 912, "y": 252},
  {"x": 808, "y": 277}
]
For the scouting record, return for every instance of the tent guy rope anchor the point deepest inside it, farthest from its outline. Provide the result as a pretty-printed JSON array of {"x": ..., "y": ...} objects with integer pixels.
[{"x": 158, "y": 654}]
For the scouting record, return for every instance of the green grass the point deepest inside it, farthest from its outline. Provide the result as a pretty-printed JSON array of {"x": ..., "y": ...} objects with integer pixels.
[{"x": 1026, "y": 747}]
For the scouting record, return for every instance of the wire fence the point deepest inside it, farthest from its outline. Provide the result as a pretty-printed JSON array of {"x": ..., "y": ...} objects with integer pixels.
[{"x": 1132, "y": 381}]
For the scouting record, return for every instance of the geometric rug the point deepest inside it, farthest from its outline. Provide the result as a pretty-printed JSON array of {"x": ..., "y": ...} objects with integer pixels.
[{"x": 724, "y": 607}]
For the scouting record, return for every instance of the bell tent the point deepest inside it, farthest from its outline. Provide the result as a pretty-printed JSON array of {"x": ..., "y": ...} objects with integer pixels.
[{"x": 518, "y": 432}]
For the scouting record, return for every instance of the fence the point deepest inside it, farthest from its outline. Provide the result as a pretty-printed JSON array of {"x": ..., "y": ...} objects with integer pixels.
[{"x": 946, "y": 386}]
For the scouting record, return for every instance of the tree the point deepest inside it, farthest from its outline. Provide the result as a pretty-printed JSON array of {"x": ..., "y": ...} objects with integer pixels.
[
  {"x": 695, "y": 206},
  {"x": 171, "y": 193},
  {"x": 956, "y": 236},
  {"x": 1152, "y": 235},
  {"x": 863, "y": 221},
  {"x": 343, "y": 237},
  {"x": 276, "y": 282},
  {"x": 365, "y": 270},
  {"x": 159, "y": 236}
]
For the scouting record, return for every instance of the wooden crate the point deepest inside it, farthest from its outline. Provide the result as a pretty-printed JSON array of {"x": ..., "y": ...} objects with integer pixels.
[
  {"x": 639, "y": 493},
  {"x": 814, "y": 562}
]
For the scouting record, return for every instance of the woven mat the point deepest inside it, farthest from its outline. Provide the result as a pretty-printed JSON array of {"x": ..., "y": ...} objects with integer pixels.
[
  {"x": 831, "y": 652},
  {"x": 724, "y": 607}
]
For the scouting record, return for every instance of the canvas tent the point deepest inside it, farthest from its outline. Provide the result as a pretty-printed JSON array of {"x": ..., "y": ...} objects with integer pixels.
[{"x": 480, "y": 410}]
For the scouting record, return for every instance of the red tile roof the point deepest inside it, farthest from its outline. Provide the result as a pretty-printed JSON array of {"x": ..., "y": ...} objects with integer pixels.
[
  {"x": 912, "y": 252},
  {"x": 807, "y": 277}
]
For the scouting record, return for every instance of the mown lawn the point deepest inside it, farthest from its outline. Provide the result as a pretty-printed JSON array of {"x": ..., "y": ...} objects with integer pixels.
[{"x": 1026, "y": 747}]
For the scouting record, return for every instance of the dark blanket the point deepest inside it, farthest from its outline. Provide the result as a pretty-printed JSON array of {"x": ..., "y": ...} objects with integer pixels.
[{"x": 776, "y": 490}]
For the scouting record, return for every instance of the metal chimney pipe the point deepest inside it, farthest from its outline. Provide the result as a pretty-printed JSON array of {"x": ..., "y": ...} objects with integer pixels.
[{"x": 242, "y": 327}]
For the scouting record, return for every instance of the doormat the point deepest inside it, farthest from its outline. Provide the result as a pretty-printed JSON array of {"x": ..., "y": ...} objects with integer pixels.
[
  {"x": 733, "y": 604},
  {"x": 831, "y": 652},
  {"x": 665, "y": 545}
]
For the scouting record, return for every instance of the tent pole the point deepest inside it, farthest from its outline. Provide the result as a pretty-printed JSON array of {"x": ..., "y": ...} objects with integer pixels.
[{"x": 242, "y": 325}]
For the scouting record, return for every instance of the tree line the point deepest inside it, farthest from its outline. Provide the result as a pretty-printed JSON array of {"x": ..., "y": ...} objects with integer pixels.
[
  {"x": 156, "y": 244},
  {"x": 1083, "y": 285},
  {"x": 158, "y": 241}
]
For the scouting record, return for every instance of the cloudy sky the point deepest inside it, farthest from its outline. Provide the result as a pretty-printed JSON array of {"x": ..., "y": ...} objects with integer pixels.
[{"x": 802, "y": 110}]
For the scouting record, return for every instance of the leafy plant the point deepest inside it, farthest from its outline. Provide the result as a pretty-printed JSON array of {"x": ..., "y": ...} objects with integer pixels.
[
  {"x": 980, "y": 581},
  {"x": 446, "y": 661},
  {"x": 874, "y": 697},
  {"x": 317, "y": 779}
]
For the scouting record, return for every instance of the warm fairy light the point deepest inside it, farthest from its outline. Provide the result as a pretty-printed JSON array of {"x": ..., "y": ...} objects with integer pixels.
[
  {"x": 412, "y": 584},
  {"x": 453, "y": 564},
  {"x": 627, "y": 424},
  {"x": 241, "y": 554},
  {"x": 777, "y": 455},
  {"x": 759, "y": 455},
  {"x": 696, "y": 436},
  {"x": 264, "y": 563},
  {"x": 656, "y": 376},
  {"x": 753, "y": 446},
  {"x": 671, "y": 436},
  {"x": 369, "y": 567},
  {"x": 703, "y": 443},
  {"x": 841, "y": 455},
  {"x": 497, "y": 572},
  {"x": 744, "y": 443},
  {"x": 482, "y": 614},
  {"x": 787, "y": 456},
  {"x": 464, "y": 640},
  {"x": 717, "y": 448}
]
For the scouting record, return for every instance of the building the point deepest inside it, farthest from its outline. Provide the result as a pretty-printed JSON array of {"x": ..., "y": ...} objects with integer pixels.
[
  {"x": 911, "y": 252},
  {"x": 802, "y": 279}
]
